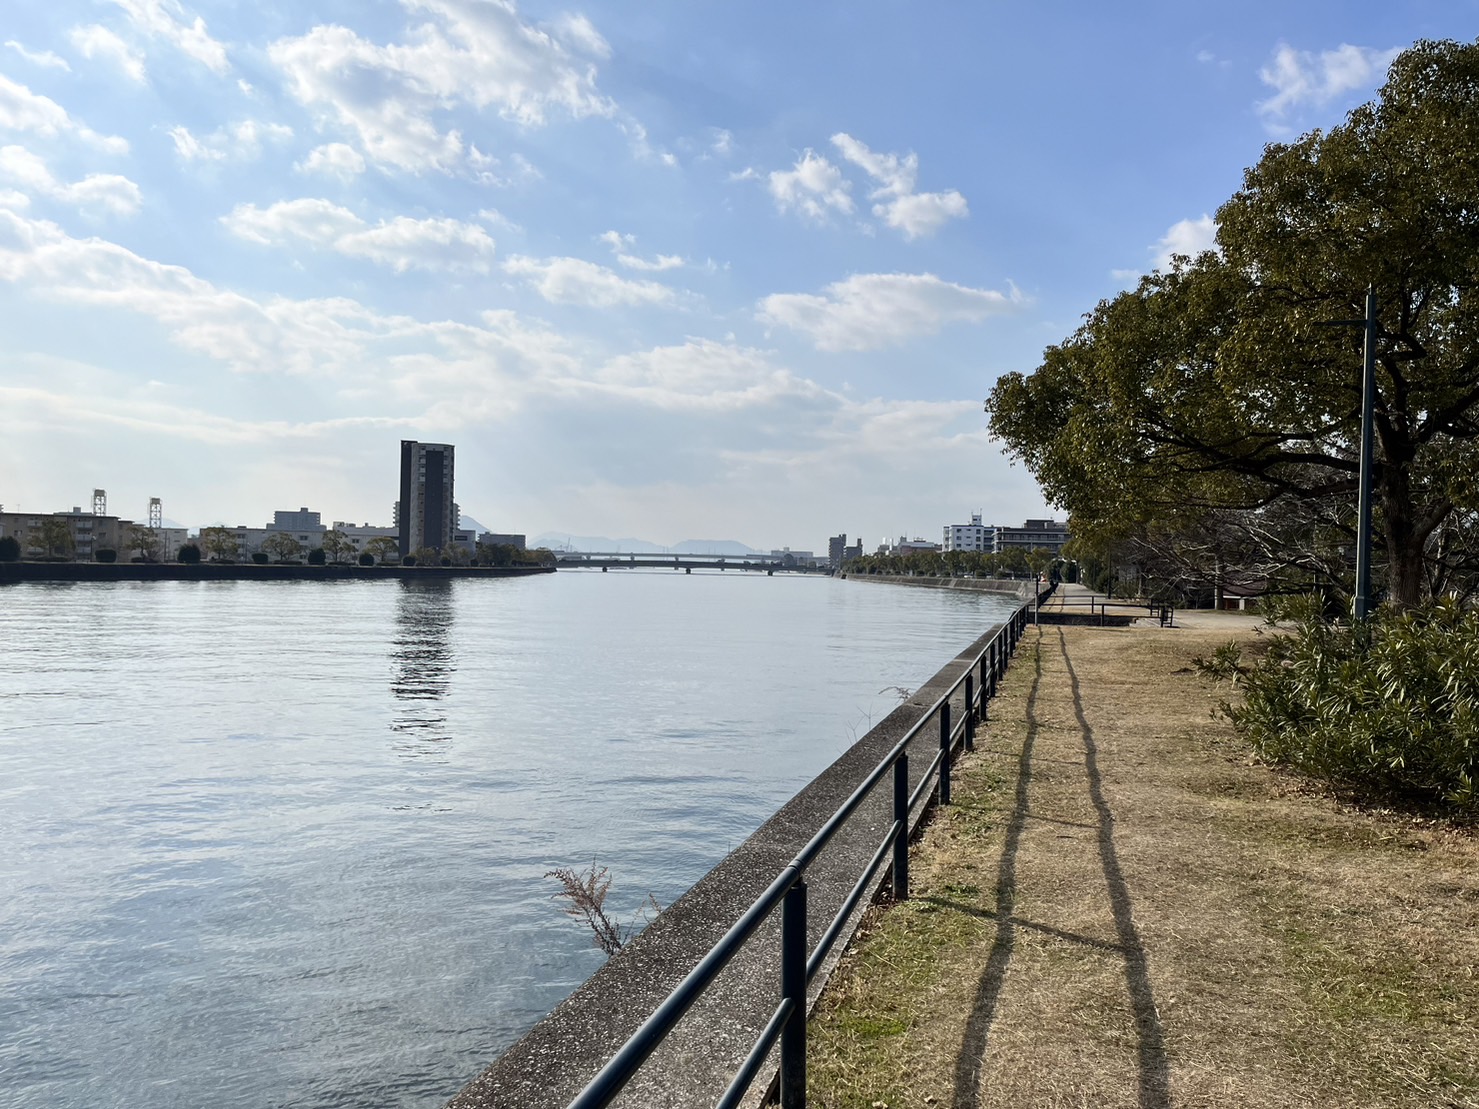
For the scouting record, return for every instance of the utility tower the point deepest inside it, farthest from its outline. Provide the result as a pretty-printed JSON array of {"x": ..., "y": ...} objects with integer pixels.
[
  {"x": 156, "y": 513},
  {"x": 100, "y": 502}
]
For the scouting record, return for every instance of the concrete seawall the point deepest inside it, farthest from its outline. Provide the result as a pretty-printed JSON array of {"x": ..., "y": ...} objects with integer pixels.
[
  {"x": 555, "y": 1059},
  {"x": 1012, "y": 587}
]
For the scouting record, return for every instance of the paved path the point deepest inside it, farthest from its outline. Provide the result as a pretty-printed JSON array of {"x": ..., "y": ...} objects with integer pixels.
[{"x": 1070, "y": 597}]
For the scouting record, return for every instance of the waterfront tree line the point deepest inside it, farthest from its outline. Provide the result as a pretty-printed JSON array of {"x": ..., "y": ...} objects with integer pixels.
[
  {"x": 1013, "y": 563},
  {"x": 1204, "y": 428},
  {"x": 52, "y": 540}
]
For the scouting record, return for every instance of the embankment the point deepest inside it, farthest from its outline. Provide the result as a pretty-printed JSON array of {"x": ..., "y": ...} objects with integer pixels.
[{"x": 1012, "y": 587}]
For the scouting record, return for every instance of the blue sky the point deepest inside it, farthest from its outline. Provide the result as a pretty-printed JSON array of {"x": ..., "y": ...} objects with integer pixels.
[{"x": 670, "y": 270}]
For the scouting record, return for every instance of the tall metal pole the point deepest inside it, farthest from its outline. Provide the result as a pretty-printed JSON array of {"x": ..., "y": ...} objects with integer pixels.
[{"x": 1363, "y": 519}]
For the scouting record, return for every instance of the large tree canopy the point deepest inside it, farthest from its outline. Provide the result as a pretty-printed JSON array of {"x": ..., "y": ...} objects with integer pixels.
[{"x": 1219, "y": 391}]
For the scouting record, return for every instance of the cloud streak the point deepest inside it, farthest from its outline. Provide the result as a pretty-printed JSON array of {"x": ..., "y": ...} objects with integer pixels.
[{"x": 872, "y": 311}]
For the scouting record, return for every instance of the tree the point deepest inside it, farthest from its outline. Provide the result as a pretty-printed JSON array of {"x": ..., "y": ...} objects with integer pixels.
[
  {"x": 1218, "y": 391},
  {"x": 189, "y": 553},
  {"x": 54, "y": 536},
  {"x": 337, "y": 546},
  {"x": 10, "y": 549},
  {"x": 382, "y": 547},
  {"x": 497, "y": 554},
  {"x": 219, "y": 543},
  {"x": 281, "y": 546},
  {"x": 146, "y": 541}
]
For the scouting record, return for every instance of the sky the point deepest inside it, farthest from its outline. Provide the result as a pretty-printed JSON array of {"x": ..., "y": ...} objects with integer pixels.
[{"x": 669, "y": 270}]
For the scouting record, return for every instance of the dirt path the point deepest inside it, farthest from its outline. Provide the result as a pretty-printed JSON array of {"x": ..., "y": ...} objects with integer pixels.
[{"x": 1122, "y": 910}]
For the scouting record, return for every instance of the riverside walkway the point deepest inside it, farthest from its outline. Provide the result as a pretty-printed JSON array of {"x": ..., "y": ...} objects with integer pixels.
[{"x": 1122, "y": 909}]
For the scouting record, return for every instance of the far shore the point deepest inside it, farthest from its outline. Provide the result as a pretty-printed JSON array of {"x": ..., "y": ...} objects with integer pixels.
[{"x": 12, "y": 572}]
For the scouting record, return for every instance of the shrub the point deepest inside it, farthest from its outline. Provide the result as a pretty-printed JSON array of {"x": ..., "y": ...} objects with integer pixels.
[
  {"x": 1390, "y": 710},
  {"x": 409, "y": 560},
  {"x": 259, "y": 557},
  {"x": 10, "y": 549},
  {"x": 317, "y": 557},
  {"x": 102, "y": 554},
  {"x": 367, "y": 559},
  {"x": 446, "y": 560},
  {"x": 189, "y": 553}
]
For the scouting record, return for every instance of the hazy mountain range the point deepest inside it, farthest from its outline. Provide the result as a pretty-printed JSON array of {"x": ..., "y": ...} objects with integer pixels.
[{"x": 557, "y": 541}]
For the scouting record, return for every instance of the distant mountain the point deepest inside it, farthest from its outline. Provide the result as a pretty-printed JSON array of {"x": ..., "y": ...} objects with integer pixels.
[
  {"x": 467, "y": 523},
  {"x": 714, "y": 547},
  {"x": 559, "y": 541}
]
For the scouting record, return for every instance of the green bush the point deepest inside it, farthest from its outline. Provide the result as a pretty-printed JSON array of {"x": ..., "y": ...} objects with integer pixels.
[
  {"x": 409, "y": 560},
  {"x": 189, "y": 554},
  {"x": 259, "y": 557},
  {"x": 10, "y": 549},
  {"x": 367, "y": 559},
  {"x": 1387, "y": 711},
  {"x": 105, "y": 554},
  {"x": 317, "y": 557}
]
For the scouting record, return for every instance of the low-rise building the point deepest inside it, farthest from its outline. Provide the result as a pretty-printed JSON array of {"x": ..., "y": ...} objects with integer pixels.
[
  {"x": 360, "y": 534},
  {"x": 1033, "y": 535},
  {"x": 89, "y": 533}
]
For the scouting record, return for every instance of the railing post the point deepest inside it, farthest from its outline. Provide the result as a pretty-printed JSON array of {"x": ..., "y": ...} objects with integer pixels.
[
  {"x": 970, "y": 712},
  {"x": 901, "y": 818},
  {"x": 793, "y": 987},
  {"x": 945, "y": 753},
  {"x": 986, "y": 689}
]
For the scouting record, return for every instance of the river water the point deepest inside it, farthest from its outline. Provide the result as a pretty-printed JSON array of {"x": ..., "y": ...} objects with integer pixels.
[{"x": 284, "y": 844}]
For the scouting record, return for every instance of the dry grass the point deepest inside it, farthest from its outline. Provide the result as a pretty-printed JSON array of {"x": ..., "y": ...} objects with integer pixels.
[{"x": 1122, "y": 910}]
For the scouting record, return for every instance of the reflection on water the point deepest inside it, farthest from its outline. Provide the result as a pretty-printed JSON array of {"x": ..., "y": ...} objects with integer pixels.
[{"x": 421, "y": 655}]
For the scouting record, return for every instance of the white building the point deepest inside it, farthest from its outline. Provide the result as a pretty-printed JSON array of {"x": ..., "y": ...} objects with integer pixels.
[
  {"x": 974, "y": 536},
  {"x": 360, "y": 534}
]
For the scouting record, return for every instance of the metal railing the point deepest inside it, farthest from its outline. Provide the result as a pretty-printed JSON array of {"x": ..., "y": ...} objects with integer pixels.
[
  {"x": 1165, "y": 613},
  {"x": 787, "y": 1024}
]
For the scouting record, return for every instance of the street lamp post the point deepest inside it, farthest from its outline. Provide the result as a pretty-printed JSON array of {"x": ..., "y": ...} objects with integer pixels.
[
  {"x": 1362, "y": 607},
  {"x": 1363, "y": 518}
]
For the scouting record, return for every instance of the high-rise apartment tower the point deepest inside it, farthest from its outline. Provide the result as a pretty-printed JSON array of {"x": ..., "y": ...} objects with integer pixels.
[{"x": 426, "y": 514}]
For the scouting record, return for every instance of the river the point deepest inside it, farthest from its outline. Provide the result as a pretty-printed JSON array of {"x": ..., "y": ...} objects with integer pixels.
[{"x": 285, "y": 844}]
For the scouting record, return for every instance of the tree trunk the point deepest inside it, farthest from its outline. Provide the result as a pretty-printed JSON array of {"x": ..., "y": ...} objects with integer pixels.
[{"x": 1405, "y": 544}]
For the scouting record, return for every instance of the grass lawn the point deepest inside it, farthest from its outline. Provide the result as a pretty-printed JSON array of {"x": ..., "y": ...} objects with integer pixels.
[{"x": 1123, "y": 909}]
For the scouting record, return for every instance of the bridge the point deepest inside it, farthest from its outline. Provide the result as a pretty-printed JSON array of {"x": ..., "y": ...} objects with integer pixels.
[{"x": 616, "y": 560}]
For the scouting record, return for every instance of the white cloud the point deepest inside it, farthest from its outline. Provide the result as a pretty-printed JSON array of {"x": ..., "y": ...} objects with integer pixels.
[
  {"x": 898, "y": 205},
  {"x": 333, "y": 159},
  {"x": 95, "y": 194},
  {"x": 723, "y": 144},
  {"x": 869, "y": 311},
  {"x": 23, "y": 110},
  {"x": 1301, "y": 79},
  {"x": 1189, "y": 237},
  {"x": 814, "y": 187},
  {"x": 576, "y": 281},
  {"x": 42, "y": 58},
  {"x": 468, "y": 52},
  {"x": 239, "y": 142},
  {"x": 701, "y": 375},
  {"x": 438, "y": 245},
  {"x": 577, "y": 31},
  {"x": 94, "y": 41},
  {"x": 619, "y": 244},
  {"x": 167, "y": 20}
]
